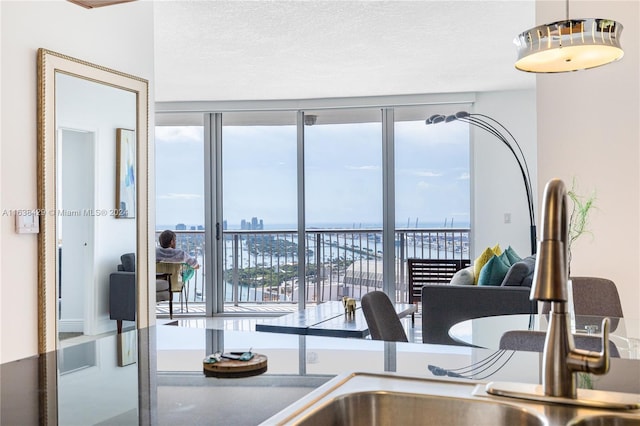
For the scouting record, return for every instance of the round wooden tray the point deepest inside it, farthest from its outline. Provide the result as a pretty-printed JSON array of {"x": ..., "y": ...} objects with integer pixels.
[{"x": 230, "y": 368}]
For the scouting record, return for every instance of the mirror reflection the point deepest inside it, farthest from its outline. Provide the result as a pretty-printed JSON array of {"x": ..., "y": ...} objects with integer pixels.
[
  {"x": 90, "y": 234},
  {"x": 92, "y": 202}
]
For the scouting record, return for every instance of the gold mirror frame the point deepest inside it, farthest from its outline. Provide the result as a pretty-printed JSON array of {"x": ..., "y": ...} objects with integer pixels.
[{"x": 50, "y": 63}]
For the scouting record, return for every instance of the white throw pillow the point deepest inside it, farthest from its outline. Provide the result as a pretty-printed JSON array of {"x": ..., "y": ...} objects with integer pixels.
[{"x": 463, "y": 277}]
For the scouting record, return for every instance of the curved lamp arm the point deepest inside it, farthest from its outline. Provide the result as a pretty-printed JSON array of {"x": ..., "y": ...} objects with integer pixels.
[{"x": 494, "y": 127}]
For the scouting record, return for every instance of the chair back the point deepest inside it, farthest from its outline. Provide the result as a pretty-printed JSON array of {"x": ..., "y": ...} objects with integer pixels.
[
  {"x": 175, "y": 271},
  {"x": 593, "y": 297},
  {"x": 382, "y": 319},
  {"x": 533, "y": 341},
  {"x": 431, "y": 271}
]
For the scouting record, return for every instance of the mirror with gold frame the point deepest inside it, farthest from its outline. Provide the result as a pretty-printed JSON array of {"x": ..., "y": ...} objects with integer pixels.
[{"x": 62, "y": 135}]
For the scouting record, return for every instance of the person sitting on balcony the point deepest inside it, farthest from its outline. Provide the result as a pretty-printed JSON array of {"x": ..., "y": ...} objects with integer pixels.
[{"x": 167, "y": 252}]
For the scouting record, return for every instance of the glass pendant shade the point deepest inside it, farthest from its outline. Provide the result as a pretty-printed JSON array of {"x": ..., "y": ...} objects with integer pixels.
[{"x": 569, "y": 45}]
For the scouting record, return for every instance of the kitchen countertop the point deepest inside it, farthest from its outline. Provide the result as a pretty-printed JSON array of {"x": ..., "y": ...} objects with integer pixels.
[{"x": 166, "y": 385}]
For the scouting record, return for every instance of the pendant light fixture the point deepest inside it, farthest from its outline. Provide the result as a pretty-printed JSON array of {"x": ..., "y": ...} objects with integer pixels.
[{"x": 569, "y": 45}]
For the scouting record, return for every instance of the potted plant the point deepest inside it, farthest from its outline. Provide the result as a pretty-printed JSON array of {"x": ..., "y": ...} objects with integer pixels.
[{"x": 582, "y": 205}]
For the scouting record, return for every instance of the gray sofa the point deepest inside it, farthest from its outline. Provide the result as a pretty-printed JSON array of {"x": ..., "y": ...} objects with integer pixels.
[{"x": 446, "y": 305}]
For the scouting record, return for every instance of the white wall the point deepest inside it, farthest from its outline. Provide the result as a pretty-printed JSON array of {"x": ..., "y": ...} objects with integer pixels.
[
  {"x": 118, "y": 37},
  {"x": 588, "y": 129},
  {"x": 498, "y": 186}
]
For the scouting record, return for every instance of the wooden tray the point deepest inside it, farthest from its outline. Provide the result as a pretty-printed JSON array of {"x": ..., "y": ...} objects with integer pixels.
[{"x": 231, "y": 368}]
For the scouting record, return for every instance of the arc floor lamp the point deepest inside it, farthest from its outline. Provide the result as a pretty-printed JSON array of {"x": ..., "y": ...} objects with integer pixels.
[{"x": 494, "y": 127}]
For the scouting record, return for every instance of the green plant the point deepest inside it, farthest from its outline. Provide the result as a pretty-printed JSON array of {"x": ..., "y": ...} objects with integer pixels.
[{"x": 582, "y": 205}]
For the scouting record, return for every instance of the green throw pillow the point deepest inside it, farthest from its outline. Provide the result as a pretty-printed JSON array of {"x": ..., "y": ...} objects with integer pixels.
[
  {"x": 481, "y": 260},
  {"x": 493, "y": 272}
]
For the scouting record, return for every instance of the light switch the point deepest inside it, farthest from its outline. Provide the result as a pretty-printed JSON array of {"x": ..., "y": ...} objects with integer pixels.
[
  {"x": 27, "y": 222},
  {"x": 507, "y": 218}
]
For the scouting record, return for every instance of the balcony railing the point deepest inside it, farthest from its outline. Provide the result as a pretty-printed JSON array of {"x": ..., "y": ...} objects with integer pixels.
[{"x": 261, "y": 266}]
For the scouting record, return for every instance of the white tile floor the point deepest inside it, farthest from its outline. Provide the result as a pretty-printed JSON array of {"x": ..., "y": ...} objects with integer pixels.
[{"x": 248, "y": 323}]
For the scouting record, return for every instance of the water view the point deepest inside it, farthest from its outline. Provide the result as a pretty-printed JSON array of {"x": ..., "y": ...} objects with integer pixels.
[{"x": 261, "y": 265}]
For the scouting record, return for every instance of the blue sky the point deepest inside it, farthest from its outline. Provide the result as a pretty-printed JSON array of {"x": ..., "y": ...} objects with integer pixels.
[{"x": 343, "y": 177}]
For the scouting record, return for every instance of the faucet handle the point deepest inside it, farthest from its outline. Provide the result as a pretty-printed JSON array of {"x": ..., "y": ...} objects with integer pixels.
[{"x": 592, "y": 362}]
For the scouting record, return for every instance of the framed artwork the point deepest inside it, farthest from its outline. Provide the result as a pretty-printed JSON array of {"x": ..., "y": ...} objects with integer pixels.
[{"x": 125, "y": 174}]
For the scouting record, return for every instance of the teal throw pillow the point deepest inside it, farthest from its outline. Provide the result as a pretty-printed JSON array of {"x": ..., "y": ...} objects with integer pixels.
[
  {"x": 505, "y": 258},
  {"x": 493, "y": 272},
  {"x": 512, "y": 255}
]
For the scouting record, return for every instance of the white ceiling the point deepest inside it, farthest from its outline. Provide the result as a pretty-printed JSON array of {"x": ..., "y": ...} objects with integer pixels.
[{"x": 267, "y": 50}]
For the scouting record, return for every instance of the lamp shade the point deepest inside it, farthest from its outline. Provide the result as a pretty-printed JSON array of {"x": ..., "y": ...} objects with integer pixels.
[{"x": 569, "y": 45}]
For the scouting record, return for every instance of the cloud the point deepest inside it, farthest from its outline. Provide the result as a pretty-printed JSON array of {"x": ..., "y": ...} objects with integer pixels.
[
  {"x": 374, "y": 168},
  {"x": 427, "y": 174},
  {"x": 169, "y": 134},
  {"x": 424, "y": 185},
  {"x": 464, "y": 176},
  {"x": 174, "y": 196}
]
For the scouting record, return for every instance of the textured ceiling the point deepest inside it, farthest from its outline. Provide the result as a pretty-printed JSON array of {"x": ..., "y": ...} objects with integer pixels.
[{"x": 255, "y": 50}]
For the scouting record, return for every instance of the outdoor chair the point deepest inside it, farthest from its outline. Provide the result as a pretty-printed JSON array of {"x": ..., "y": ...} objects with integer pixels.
[
  {"x": 173, "y": 274},
  {"x": 430, "y": 271}
]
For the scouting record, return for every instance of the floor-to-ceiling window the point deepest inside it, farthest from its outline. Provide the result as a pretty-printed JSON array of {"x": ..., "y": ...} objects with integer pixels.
[
  {"x": 259, "y": 204},
  {"x": 329, "y": 170},
  {"x": 180, "y": 200},
  {"x": 343, "y": 202},
  {"x": 431, "y": 183}
]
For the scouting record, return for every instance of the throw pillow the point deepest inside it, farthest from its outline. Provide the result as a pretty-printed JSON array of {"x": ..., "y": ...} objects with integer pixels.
[
  {"x": 521, "y": 273},
  {"x": 481, "y": 260},
  {"x": 463, "y": 277},
  {"x": 505, "y": 258},
  {"x": 512, "y": 255},
  {"x": 493, "y": 272}
]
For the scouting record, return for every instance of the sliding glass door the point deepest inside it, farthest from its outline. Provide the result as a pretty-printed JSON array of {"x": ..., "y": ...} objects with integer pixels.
[
  {"x": 343, "y": 202},
  {"x": 259, "y": 204}
]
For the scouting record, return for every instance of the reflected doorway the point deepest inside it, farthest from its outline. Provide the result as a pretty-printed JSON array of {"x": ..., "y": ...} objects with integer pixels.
[{"x": 76, "y": 229}]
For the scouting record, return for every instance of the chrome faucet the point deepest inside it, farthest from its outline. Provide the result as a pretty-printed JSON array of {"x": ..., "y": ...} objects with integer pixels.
[{"x": 561, "y": 360}]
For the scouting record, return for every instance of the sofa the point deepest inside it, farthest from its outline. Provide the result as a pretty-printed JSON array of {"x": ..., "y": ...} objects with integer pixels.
[
  {"x": 446, "y": 305},
  {"x": 122, "y": 291}
]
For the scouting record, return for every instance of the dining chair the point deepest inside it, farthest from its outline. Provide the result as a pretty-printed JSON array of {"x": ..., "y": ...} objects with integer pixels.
[
  {"x": 593, "y": 297},
  {"x": 382, "y": 319},
  {"x": 533, "y": 341}
]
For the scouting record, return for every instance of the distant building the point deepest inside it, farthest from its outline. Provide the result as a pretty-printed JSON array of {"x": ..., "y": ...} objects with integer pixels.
[
  {"x": 254, "y": 224},
  {"x": 181, "y": 227}
]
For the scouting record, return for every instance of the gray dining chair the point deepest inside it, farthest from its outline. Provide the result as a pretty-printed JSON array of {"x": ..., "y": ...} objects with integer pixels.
[
  {"x": 382, "y": 319},
  {"x": 593, "y": 297},
  {"x": 533, "y": 341}
]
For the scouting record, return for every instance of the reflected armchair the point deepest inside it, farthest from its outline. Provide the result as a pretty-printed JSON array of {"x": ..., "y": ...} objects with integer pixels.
[{"x": 122, "y": 291}]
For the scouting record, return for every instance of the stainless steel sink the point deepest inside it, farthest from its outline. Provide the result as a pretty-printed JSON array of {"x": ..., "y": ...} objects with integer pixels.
[
  {"x": 387, "y": 408},
  {"x": 357, "y": 398},
  {"x": 606, "y": 420}
]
